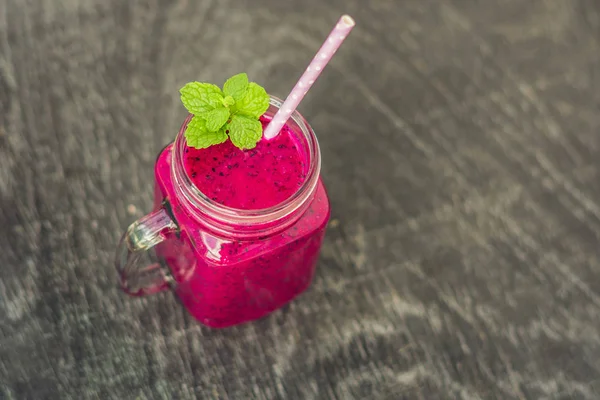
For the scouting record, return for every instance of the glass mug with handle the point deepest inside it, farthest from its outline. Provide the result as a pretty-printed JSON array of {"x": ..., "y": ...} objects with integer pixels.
[{"x": 227, "y": 265}]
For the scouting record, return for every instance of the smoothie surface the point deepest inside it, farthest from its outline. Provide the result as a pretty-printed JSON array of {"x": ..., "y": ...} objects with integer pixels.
[{"x": 251, "y": 179}]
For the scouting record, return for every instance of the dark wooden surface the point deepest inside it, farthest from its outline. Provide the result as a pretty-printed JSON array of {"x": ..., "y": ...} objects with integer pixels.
[{"x": 461, "y": 145}]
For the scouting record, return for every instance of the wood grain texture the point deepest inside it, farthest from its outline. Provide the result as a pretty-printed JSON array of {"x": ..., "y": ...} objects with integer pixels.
[{"x": 461, "y": 151}]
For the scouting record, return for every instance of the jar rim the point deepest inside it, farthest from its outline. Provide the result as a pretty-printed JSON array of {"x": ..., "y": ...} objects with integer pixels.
[{"x": 202, "y": 205}]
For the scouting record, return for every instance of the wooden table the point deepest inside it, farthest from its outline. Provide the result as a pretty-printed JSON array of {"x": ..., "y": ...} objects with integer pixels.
[{"x": 461, "y": 147}]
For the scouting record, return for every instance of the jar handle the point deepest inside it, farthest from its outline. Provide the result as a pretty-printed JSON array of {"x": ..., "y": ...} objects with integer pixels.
[{"x": 145, "y": 233}]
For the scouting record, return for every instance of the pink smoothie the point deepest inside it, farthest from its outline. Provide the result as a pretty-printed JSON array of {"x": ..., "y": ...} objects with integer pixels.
[
  {"x": 252, "y": 179},
  {"x": 223, "y": 280}
]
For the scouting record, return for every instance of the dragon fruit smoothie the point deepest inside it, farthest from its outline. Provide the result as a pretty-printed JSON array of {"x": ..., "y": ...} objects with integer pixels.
[
  {"x": 240, "y": 210},
  {"x": 223, "y": 279},
  {"x": 258, "y": 178}
]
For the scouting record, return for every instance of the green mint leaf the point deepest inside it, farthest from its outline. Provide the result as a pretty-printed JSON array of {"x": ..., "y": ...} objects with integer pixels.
[
  {"x": 199, "y": 137},
  {"x": 236, "y": 86},
  {"x": 228, "y": 101},
  {"x": 233, "y": 112},
  {"x": 254, "y": 103},
  {"x": 216, "y": 118},
  {"x": 200, "y": 97},
  {"x": 244, "y": 132}
]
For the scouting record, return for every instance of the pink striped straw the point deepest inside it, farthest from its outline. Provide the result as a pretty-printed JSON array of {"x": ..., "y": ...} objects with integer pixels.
[{"x": 327, "y": 50}]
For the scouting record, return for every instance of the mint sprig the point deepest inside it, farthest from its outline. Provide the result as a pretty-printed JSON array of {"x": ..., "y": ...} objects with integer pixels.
[{"x": 229, "y": 113}]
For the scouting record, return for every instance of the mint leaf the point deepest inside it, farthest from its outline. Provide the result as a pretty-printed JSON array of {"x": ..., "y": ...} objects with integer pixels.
[
  {"x": 198, "y": 136},
  {"x": 216, "y": 118},
  {"x": 254, "y": 103},
  {"x": 244, "y": 132},
  {"x": 236, "y": 86},
  {"x": 233, "y": 112},
  {"x": 200, "y": 97},
  {"x": 228, "y": 101}
]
